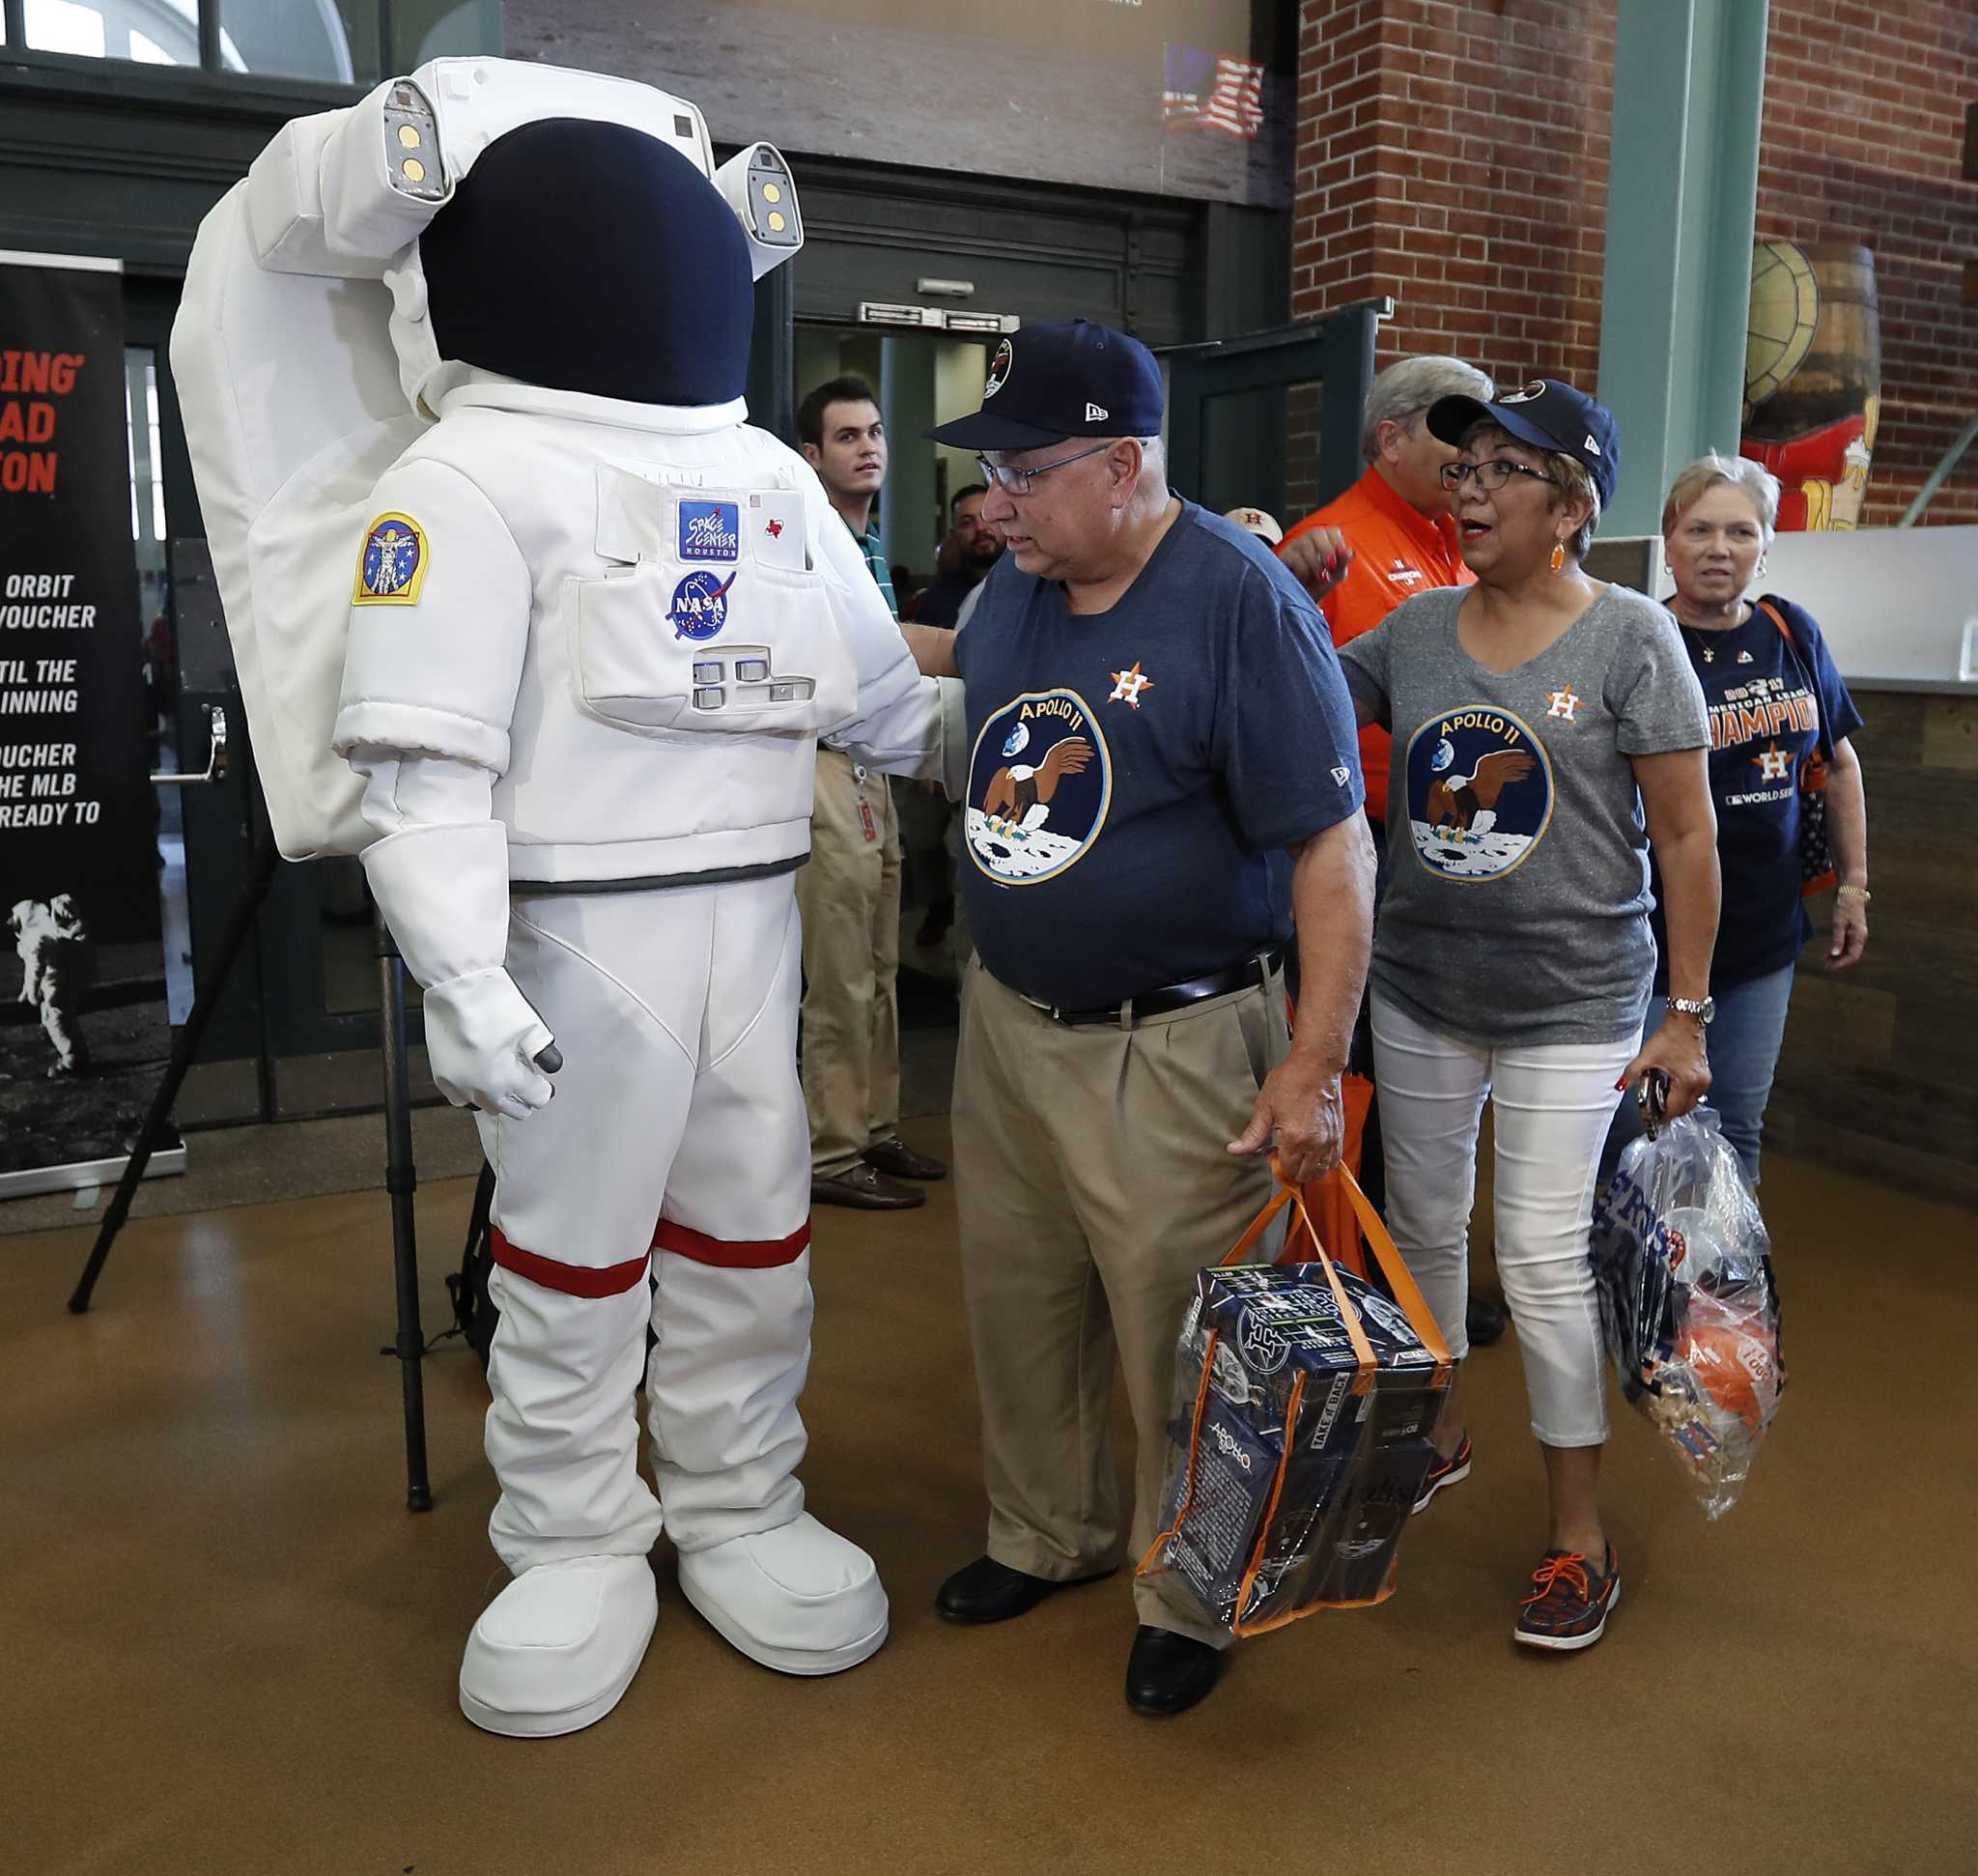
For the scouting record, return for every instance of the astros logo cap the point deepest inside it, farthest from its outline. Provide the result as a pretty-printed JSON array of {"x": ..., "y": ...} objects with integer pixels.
[
  {"x": 1546, "y": 414},
  {"x": 1048, "y": 384}
]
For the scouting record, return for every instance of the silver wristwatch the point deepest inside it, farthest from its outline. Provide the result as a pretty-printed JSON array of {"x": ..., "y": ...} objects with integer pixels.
[{"x": 1703, "y": 1009}]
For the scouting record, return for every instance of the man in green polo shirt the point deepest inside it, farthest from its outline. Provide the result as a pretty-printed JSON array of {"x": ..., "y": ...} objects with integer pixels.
[{"x": 849, "y": 893}]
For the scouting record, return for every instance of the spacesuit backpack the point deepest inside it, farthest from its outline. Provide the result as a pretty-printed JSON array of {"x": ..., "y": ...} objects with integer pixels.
[{"x": 306, "y": 367}]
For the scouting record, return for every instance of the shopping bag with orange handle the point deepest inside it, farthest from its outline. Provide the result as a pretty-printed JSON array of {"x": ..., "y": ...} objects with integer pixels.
[{"x": 1305, "y": 1401}]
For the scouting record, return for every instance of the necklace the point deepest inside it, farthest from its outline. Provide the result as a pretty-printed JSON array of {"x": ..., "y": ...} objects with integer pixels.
[{"x": 1704, "y": 634}]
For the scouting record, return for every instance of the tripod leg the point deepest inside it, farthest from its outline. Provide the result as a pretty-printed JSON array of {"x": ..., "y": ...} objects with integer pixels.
[
  {"x": 400, "y": 1181},
  {"x": 239, "y": 923}
]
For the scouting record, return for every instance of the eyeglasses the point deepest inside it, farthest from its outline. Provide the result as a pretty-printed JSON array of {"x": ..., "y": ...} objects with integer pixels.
[
  {"x": 1018, "y": 481},
  {"x": 1491, "y": 474}
]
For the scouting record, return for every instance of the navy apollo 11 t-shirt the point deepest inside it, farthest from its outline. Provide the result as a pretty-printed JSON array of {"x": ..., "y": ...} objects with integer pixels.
[{"x": 1135, "y": 775}]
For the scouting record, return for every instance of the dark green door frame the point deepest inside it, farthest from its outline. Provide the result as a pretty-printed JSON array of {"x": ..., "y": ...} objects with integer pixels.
[{"x": 1335, "y": 354}]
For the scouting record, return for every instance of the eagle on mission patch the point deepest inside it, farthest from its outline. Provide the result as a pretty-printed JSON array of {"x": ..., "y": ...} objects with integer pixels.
[
  {"x": 1016, "y": 789},
  {"x": 1469, "y": 802}
]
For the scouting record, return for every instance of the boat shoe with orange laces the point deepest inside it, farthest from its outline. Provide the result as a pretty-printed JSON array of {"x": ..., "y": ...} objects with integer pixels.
[{"x": 1570, "y": 1601}]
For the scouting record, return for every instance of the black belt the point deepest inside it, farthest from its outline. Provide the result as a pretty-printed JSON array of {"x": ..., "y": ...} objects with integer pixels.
[{"x": 1170, "y": 997}]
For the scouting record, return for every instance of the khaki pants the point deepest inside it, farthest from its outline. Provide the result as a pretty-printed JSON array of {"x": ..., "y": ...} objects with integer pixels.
[
  {"x": 1091, "y": 1184},
  {"x": 850, "y": 898}
]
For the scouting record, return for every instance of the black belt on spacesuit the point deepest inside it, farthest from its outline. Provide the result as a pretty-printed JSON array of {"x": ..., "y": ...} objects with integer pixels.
[
  {"x": 563, "y": 889},
  {"x": 1170, "y": 997}
]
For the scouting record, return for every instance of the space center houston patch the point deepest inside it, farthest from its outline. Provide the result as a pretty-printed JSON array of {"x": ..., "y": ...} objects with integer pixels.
[
  {"x": 391, "y": 566},
  {"x": 1040, "y": 781},
  {"x": 1480, "y": 792},
  {"x": 710, "y": 531}
]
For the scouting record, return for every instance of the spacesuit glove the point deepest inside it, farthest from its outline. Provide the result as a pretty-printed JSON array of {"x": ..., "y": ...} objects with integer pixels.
[{"x": 482, "y": 1040}]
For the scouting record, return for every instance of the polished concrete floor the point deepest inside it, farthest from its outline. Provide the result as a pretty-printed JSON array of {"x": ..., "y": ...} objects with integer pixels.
[{"x": 228, "y": 1647}]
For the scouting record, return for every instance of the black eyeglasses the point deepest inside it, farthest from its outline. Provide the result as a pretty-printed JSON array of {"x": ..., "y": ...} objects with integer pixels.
[
  {"x": 1491, "y": 474},
  {"x": 1017, "y": 481}
]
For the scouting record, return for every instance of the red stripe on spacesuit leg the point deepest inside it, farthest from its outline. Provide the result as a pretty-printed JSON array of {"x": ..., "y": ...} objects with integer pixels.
[
  {"x": 732, "y": 1254},
  {"x": 572, "y": 1279}
]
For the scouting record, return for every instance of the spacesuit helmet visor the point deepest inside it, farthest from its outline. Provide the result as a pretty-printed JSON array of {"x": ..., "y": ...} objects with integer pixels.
[{"x": 590, "y": 257}]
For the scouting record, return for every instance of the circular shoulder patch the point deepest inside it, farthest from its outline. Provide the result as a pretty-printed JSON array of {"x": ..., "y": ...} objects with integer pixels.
[
  {"x": 1480, "y": 792},
  {"x": 1041, "y": 780}
]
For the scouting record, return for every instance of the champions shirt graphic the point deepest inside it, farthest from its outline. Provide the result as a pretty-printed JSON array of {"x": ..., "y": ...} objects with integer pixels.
[
  {"x": 1040, "y": 781},
  {"x": 1480, "y": 792}
]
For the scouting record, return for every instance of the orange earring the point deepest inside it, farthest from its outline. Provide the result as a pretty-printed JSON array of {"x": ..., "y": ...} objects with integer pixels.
[{"x": 1558, "y": 560}]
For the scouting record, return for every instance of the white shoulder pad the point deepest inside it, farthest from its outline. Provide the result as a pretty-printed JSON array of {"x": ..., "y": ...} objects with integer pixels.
[{"x": 440, "y": 601}]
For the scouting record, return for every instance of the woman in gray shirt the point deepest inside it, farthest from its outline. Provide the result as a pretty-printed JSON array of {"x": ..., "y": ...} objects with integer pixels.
[{"x": 1546, "y": 731}]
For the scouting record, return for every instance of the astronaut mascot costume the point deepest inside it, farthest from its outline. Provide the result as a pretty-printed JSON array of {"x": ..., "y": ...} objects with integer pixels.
[{"x": 526, "y": 613}]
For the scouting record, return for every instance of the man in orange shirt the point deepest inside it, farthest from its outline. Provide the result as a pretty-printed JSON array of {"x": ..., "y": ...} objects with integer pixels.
[
  {"x": 1396, "y": 521},
  {"x": 1396, "y": 518}
]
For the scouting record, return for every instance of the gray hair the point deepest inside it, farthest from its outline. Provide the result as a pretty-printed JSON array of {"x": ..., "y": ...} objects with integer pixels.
[
  {"x": 1403, "y": 392},
  {"x": 1710, "y": 471}
]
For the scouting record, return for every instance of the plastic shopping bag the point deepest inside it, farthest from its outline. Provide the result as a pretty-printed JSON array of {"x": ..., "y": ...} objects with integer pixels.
[{"x": 1688, "y": 1302}]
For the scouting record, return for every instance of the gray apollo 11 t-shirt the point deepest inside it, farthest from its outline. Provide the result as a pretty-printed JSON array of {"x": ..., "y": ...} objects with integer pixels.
[{"x": 1516, "y": 906}]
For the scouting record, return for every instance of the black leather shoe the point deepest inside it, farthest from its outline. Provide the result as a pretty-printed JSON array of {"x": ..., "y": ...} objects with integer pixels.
[
  {"x": 866, "y": 1189},
  {"x": 1168, "y": 1673},
  {"x": 899, "y": 1159},
  {"x": 988, "y": 1591},
  {"x": 1484, "y": 1321}
]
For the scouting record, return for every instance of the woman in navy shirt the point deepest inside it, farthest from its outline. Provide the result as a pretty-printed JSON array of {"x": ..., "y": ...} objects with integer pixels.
[{"x": 1771, "y": 694}]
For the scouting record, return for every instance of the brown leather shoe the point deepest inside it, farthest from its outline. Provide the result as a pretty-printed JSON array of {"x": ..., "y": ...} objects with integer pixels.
[
  {"x": 895, "y": 1158},
  {"x": 866, "y": 1189}
]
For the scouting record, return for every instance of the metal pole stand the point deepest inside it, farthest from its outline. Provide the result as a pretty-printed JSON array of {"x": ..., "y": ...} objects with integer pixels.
[
  {"x": 402, "y": 1182},
  {"x": 400, "y": 1176},
  {"x": 239, "y": 923}
]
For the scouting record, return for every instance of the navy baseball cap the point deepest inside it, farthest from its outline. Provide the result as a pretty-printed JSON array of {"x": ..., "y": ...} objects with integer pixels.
[
  {"x": 1048, "y": 384},
  {"x": 1546, "y": 414}
]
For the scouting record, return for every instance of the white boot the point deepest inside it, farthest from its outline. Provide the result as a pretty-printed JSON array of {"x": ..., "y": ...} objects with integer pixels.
[
  {"x": 556, "y": 1651},
  {"x": 799, "y": 1599}
]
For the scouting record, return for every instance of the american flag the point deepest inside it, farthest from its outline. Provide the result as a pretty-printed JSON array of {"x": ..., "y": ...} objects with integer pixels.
[{"x": 1205, "y": 93}]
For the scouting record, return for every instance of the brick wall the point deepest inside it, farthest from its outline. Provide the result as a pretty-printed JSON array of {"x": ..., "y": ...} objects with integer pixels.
[{"x": 1454, "y": 153}]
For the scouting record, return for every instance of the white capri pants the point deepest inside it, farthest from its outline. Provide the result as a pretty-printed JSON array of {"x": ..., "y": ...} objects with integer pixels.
[{"x": 1552, "y": 1105}]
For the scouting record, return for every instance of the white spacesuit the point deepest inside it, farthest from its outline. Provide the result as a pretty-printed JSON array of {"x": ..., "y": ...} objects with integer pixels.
[
  {"x": 57, "y": 966},
  {"x": 592, "y": 639}
]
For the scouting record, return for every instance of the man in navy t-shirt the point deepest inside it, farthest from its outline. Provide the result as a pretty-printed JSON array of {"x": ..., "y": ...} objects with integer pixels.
[{"x": 1160, "y": 776}]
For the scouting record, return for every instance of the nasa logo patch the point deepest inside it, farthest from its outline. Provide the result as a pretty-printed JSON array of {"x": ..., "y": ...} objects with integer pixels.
[
  {"x": 1041, "y": 780},
  {"x": 700, "y": 606},
  {"x": 710, "y": 531},
  {"x": 1480, "y": 792},
  {"x": 391, "y": 566}
]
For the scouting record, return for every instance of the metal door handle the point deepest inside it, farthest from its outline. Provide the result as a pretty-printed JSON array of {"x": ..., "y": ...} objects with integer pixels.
[{"x": 216, "y": 753}]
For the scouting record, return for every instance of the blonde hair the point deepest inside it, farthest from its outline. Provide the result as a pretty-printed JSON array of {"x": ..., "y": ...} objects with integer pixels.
[{"x": 1710, "y": 471}]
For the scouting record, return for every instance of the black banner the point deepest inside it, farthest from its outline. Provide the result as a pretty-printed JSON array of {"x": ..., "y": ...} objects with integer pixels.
[
  {"x": 76, "y": 809},
  {"x": 82, "y": 1009}
]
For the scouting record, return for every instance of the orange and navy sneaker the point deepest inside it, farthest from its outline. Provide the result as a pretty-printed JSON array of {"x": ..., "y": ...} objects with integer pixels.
[
  {"x": 1445, "y": 1471},
  {"x": 1570, "y": 1602}
]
